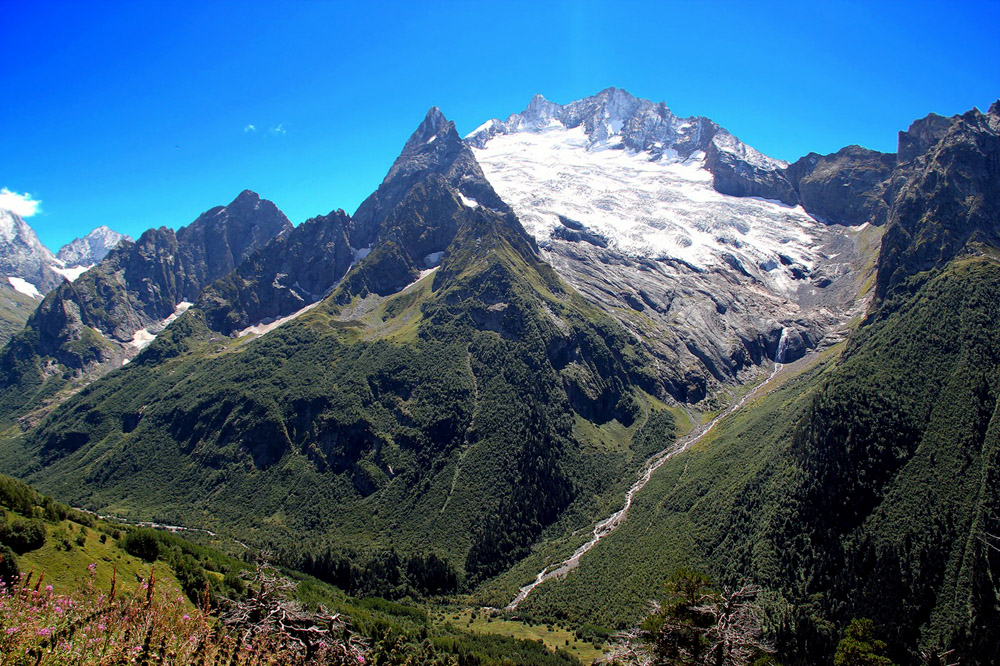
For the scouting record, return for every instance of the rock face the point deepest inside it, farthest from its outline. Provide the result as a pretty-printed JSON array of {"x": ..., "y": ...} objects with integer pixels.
[
  {"x": 947, "y": 197},
  {"x": 849, "y": 186},
  {"x": 90, "y": 249},
  {"x": 23, "y": 256},
  {"x": 112, "y": 310},
  {"x": 294, "y": 270}
]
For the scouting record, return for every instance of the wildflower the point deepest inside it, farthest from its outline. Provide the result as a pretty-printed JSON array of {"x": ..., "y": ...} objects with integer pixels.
[
  {"x": 48, "y": 588},
  {"x": 44, "y": 631},
  {"x": 92, "y": 567},
  {"x": 361, "y": 659},
  {"x": 12, "y": 630}
]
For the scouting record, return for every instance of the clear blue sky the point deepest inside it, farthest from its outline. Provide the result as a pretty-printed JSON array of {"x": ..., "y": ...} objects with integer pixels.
[{"x": 135, "y": 114}]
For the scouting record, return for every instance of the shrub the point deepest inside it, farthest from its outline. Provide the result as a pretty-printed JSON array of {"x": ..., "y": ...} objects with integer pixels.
[
  {"x": 23, "y": 535},
  {"x": 141, "y": 543},
  {"x": 9, "y": 571}
]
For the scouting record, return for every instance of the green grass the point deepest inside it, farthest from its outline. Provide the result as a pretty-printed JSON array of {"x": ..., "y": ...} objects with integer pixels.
[
  {"x": 66, "y": 569},
  {"x": 553, "y": 636}
]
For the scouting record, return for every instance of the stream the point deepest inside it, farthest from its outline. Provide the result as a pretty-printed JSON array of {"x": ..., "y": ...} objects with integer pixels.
[{"x": 612, "y": 522}]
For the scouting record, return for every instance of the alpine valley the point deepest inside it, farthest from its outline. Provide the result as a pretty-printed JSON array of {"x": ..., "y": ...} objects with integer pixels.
[{"x": 553, "y": 362}]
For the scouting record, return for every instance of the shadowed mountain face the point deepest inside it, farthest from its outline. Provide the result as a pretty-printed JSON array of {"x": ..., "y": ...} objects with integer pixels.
[
  {"x": 434, "y": 148},
  {"x": 950, "y": 198},
  {"x": 293, "y": 271}
]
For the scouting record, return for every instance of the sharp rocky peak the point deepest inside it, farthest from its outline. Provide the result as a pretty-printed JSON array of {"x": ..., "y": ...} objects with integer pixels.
[
  {"x": 434, "y": 143},
  {"x": 434, "y": 150}
]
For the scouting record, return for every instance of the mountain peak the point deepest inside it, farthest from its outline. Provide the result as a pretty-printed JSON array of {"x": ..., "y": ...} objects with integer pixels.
[
  {"x": 434, "y": 119},
  {"x": 22, "y": 255},
  {"x": 90, "y": 249},
  {"x": 435, "y": 127},
  {"x": 246, "y": 197},
  {"x": 434, "y": 149}
]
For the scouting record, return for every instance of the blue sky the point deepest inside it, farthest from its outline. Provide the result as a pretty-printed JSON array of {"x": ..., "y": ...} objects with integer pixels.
[{"x": 138, "y": 115}]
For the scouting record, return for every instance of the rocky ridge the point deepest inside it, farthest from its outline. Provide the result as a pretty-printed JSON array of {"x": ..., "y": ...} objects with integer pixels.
[{"x": 102, "y": 319}]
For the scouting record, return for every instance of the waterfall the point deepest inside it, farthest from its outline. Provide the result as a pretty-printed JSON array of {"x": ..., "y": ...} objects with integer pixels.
[{"x": 779, "y": 355}]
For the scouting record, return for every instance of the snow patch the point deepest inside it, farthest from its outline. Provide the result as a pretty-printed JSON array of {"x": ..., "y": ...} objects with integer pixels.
[
  {"x": 180, "y": 309},
  {"x": 73, "y": 273},
  {"x": 431, "y": 140},
  {"x": 360, "y": 253},
  {"x": 142, "y": 337},
  {"x": 24, "y": 287},
  {"x": 482, "y": 128},
  {"x": 266, "y": 326},
  {"x": 433, "y": 259},
  {"x": 471, "y": 203}
]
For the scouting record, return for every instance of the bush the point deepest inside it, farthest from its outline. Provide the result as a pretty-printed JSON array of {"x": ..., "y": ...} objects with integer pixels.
[
  {"x": 141, "y": 543},
  {"x": 9, "y": 571},
  {"x": 23, "y": 535}
]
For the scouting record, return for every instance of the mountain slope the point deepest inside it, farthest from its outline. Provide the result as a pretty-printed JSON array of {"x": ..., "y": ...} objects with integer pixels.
[
  {"x": 431, "y": 409},
  {"x": 15, "y": 308}
]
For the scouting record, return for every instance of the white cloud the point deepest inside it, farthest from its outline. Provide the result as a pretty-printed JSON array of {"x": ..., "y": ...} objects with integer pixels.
[
  {"x": 19, "y": 204},
  {"x": 279, "y": 129},
  {"x": 250, "y": 128}
]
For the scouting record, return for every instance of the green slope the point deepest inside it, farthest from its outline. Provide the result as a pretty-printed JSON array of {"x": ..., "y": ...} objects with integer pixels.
[
  {"x": 439, "y": 419},
  {"x": 860, "y": 487},
  {"x": 15, "y": 308}
]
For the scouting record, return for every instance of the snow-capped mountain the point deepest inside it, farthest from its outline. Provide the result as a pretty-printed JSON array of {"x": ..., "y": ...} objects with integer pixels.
[
  {"x": 25, "y": 263},
  {"x": 637, "y": 176},
  {"x": 90, "y": 249},
  {"x": 32, "y": 269},
  {"x": 645, "y": 211}
]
